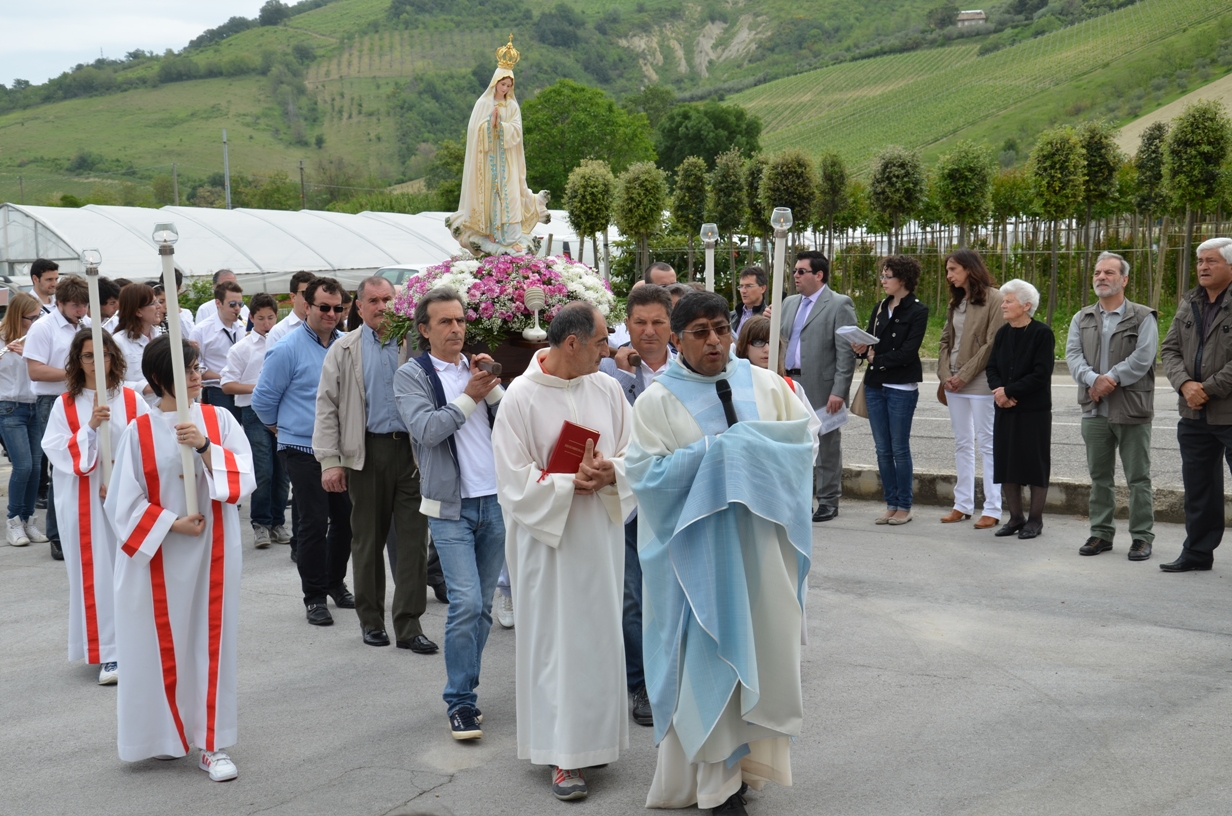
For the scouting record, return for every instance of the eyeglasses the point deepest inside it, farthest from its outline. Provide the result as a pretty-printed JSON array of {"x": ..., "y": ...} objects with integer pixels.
[
  {"x": 744, "y": 287},
  {"x": 326, "y": 308},
  {"x": 235, "y": 304},
  {"x": 88, "y": 356},
  {"x": 32, "y": 318},
  {"x": 198, "y": 368},
  {"x": 759, "y": 343},
  {"x": 704, "y": 334},
  {"x": 802, "y": 270},
  {"x": 885, "y": 276}
]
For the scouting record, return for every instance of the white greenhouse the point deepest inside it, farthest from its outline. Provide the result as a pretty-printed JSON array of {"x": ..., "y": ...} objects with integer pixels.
[{"x": 262, "y": 247}]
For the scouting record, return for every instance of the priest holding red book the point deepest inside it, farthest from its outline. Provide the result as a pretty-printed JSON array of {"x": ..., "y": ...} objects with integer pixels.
[{"x": 564, "y": 542}]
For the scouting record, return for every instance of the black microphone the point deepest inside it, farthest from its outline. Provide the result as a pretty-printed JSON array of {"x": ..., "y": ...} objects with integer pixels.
[{"x": 723, "y": 387}]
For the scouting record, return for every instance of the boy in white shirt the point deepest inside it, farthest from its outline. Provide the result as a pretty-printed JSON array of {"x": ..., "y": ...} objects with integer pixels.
[{"x": 215, "y": 336}]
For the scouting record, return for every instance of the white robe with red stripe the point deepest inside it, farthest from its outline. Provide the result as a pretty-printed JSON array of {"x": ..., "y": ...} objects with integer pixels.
[
  {"x": 177, "y": 596},
  {"x": 72, "y": 448}
]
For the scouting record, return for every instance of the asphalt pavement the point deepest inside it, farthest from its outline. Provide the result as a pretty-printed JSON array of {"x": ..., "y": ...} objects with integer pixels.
[{"x": 947, "y": 672}]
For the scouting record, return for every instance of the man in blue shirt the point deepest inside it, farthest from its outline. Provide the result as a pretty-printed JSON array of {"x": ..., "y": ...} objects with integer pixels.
[{"x": 285, "y": 400}]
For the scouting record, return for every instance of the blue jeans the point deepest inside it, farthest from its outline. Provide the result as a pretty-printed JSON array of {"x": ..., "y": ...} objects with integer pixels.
[
  {"x": 631, "y": 620},
  {"x": 43, "y": 411},
  {"x": 19, "y": 425},
  {"x": 472, "y": 550},
  {"x": 890, "y": 411},
  {"x": 213, "y": 395},
  {"x": 269, "y": 501}
]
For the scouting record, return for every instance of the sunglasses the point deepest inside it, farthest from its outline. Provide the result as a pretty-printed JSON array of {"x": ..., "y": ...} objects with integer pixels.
[
  {"x": 704, "y": 334},
  {"x": 235, "y": 304},
  {"x": 326, "y": 308}
]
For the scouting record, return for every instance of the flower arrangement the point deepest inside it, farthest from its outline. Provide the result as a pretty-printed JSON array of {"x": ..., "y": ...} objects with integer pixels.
[{"x": 493, "y": 289}]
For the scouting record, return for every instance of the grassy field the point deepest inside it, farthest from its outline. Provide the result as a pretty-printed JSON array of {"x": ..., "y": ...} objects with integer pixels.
[{"x": 921, "y": 99}]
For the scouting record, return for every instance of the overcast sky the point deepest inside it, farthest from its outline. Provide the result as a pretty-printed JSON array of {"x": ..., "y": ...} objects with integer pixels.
[{"x": 43, "y": 38}]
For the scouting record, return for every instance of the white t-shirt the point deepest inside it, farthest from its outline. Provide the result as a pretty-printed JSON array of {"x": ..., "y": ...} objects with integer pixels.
[
  {"x": 476, "y": 461},
  {"x": 48, "y": 342},
  {"x": 244, "y": 363}
]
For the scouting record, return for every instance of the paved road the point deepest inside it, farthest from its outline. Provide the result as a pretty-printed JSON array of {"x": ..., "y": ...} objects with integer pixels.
[
  {"x": 932, "y": 441},
  {"x": 948, "y": 672}
]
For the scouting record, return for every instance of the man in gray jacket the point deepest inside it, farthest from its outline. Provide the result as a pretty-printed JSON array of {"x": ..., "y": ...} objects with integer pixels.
[
  {"x": 1111, "y": 354},
  {"x": 448, "y": 404},
  {"x": 821, "y": 362}
]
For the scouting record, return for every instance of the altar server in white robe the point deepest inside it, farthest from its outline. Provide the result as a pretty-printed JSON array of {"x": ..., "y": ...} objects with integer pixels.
[
  {"x": 177, "y": 576},
  {"x": 720, "y": 460},
  {"x": 71, "y": 444},
  {"x": 564, "y": 543}
]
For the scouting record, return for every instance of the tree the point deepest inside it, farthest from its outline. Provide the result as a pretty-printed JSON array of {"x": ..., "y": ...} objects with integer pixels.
[
  {"x": 896, "y": 186},
  {"x": 588, "y": 200},
  {"x": 964, "y": 184},
  {"x": 1058, "y": 177},
  {"x": 567, "y": 122},
  {"x": 641, "y": 195},
  {"x": 1011, "y": 198},
  {"x": 726, "y": 202},
  {"x": 942, "y": 16},
  {"x": 277, "y": 192},
  {"x": 1151, "y": 195},
  {"x": 689, "y": 201},
  {"x": 654, "y": 101},
  {"x": 831, "y": 194},
  {"x": 1101, "y": 160},
  {"x": 757, "y": 217},
  {"x": 164, "y": 189},
  {"x": 1193, "y": 157},
  {"x": 444, "y": 176},
  {"x": 790, "y": 181},
  {"x": 273, "y": 13},
  {"x": 706, "y": 131}
]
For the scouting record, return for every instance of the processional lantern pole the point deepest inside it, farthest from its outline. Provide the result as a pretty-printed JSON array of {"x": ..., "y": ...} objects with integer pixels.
[
  {"x": 710, "y": 236},
  {"x": 165, "y": 235},
  {"x": 781, "y": 221},
  {"x": 90, "y": 259}
]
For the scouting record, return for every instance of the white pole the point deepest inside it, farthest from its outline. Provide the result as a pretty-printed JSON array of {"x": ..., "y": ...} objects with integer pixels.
[
  {"x": 776, "y": 316},
  {"x": 709, "y": 266},
  {"x": 100, "y": 370},
  {"x": 177, "y": 363},
  {"x": 226, "y": 168}
]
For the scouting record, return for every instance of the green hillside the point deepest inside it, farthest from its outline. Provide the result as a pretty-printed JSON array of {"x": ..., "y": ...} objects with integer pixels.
[{"x": 923, "y": 99}]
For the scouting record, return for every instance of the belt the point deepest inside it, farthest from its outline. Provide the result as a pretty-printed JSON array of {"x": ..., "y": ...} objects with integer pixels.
[
  {"x": 391, "y": 435},
  {"x": 792, "y": 372}
]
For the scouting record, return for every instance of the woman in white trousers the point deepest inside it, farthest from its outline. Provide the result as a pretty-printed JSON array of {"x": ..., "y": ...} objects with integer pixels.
[{"x": 972, "y": 321}]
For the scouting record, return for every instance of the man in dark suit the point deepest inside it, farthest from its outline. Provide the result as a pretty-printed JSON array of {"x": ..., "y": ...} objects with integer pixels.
[{"x": 821, "y": 362}]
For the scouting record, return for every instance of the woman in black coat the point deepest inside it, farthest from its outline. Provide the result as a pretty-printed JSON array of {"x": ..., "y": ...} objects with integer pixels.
[
  {"x": 892, "y": 381},
  {"x": 1020, "y": 376}
]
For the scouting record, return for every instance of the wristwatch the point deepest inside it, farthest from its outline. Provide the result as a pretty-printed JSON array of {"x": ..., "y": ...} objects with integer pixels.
[{"x": 204, "y": 447}]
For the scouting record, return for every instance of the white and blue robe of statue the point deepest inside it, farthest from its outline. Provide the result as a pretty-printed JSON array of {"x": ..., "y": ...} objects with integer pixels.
[{"x": 725, "y": 543}]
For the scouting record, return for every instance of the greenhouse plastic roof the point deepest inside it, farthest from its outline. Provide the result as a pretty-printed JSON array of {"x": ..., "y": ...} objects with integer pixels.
[{"x": 263, "y": 247}]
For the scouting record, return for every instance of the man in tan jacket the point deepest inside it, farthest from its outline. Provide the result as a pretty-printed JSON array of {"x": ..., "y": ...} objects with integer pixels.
[{"x": 364, "y": 448}]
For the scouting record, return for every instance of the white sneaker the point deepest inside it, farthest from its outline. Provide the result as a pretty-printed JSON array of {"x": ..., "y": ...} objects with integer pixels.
[
  {"x": 33, "y": 532},
  {"x": 108, "y": 674},
  {"x": 261, "y": 536},
  {"x": 502, "y": 605},
  {"x": 219, "y": 766},
  {"x": 16, "y": 533},
  {"x": 281, "y": 535}
]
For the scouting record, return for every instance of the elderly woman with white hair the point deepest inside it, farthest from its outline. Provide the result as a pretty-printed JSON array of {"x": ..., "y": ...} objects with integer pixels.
[{"x": 1020, "y": 376}]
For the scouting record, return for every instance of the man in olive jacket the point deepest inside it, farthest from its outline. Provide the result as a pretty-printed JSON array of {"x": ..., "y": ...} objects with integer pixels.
[
  {"x": 1111, "y": 354},
  {"x": 1197, "y": 357}
]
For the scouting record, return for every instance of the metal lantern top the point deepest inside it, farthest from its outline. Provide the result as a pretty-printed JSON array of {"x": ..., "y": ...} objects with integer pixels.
[
  {"x": 710, "y": 233},
  {"x": 165, "y": 234},
  {"x": 91, "y": 258},
  {"x": 780, "y": 219}
]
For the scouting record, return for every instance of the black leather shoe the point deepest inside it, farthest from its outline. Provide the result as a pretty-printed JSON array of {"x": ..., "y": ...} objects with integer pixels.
[
  {"x": 442, "y": 594},
  {"x": 343, "y": 599},
  {"x": 734, "y": 806},
  {"x": 641, "y": 708},
  {"x": 1030, "y": 530},
  {"x": 825, "y": 513},
  {"x": 1188, "y": 562},
  {"x": 294, "y": 555},
  {"x": 419, "y": 645},
  {"x": 318, "y": 615},
  {"x": 1140, "y": 550},
  {"x": 57, "y": 554},
  {"x": 376, "y": 637},
  {"x": 41, "y": 502},
  {"x": 1010, "y": 528},
  {"x": 1094, "y": 546}
]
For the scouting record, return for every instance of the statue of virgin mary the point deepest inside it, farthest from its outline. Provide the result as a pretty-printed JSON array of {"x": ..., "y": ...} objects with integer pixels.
[{"x": 496, "y": 210}]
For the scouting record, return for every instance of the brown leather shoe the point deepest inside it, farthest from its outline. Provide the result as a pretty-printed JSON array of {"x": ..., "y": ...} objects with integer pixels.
[
  {"x": 986, "y": 523},
  {"x": 954, "y": 516}
]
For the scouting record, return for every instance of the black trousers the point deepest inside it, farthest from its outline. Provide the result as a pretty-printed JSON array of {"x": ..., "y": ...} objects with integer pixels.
[
  {"x": 323, "y": 534},
  {"x": 1204, "y": 448}
]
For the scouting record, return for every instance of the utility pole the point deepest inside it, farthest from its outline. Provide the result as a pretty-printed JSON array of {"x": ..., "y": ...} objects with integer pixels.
[
  {"x": 303, "y": 193},
  {"x": 21, "y": 184},
  {"x": 226, "y": 169},
  {"x": 175, "y": 182}
]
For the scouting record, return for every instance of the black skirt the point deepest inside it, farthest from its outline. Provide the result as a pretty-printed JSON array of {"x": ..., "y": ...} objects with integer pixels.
[{"x": 1021, "y": 447}]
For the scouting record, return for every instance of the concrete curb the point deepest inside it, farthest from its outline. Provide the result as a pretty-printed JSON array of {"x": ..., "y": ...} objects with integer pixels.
[{"x": 1066, "y": 496}]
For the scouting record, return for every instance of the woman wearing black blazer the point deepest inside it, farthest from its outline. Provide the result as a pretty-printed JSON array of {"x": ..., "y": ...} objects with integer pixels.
[
  {"x": 1020, "y": 376},
  {"x": 892, "y": 381}
]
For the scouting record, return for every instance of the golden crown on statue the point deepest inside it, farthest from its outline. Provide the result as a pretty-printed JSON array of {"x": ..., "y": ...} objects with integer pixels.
[{"x": 507, "y": 56}]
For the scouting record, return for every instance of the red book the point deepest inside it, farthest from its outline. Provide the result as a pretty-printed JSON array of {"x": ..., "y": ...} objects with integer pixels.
[{"x": 570, "y": 448}]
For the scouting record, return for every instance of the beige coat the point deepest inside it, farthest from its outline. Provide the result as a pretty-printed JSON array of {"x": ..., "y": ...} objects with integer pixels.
[
  {"x": 976, "y": 345},
  {"x": 341, "y": 418}
]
